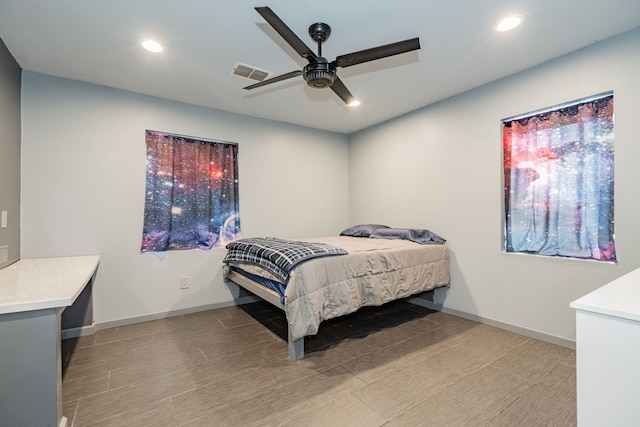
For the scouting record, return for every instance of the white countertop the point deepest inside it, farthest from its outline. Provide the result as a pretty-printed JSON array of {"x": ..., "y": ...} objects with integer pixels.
[
  {"x": 619, "y": 298},
  {"x": 42, "y": 283}
]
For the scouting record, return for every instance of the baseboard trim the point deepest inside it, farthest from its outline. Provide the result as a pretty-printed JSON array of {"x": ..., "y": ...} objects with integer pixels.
[
  {"x": 542, "y": 336},
  {"x": 78, "y": 332},
  {"x": 91, "y": 329},
  {"x": 171, "y": 313}
]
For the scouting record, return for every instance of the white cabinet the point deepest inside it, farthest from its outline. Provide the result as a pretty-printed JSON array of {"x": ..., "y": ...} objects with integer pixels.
[{"x": 608, "y": 354}]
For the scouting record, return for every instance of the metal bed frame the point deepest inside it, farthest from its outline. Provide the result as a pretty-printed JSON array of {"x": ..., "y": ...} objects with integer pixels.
[{"x": 296, "y": 347}]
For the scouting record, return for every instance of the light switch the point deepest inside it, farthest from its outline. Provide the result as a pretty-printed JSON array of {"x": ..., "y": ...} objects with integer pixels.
[{"x": 4, "y": 220}]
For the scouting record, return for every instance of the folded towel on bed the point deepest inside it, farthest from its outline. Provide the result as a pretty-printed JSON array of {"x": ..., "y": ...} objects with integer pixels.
[
  {"x": 422, "y": 236},
  {"x": 277, "y": 256}
]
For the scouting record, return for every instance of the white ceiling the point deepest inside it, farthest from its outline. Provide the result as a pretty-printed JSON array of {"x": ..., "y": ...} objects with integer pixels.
[{"x": 98, "y": 42}]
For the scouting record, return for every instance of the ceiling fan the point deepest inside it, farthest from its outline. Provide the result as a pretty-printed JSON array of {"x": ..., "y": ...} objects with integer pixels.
[{"x": 320, "y": 73}]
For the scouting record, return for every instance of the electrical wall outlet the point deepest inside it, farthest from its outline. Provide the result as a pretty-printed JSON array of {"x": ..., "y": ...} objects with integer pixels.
[
  {"x": 3, "y": 220},
  {"x": 184, "y": 282}
]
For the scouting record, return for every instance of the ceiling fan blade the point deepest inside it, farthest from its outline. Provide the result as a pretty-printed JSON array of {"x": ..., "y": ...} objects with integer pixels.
[
  {"x": 341, "y": 90},
  {"x": 287, "y": 34},
  {"x": 377, "y": 52},
  {"x": 275, "y": 79}
]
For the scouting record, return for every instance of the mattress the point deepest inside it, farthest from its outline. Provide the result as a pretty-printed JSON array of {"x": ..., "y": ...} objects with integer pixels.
[{"x": 374, "y": 272}]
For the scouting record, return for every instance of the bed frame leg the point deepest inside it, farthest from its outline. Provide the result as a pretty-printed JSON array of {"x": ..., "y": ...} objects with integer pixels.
[
  {"x": 440, "y": 294},
  {"x": 296, "y": 349}
]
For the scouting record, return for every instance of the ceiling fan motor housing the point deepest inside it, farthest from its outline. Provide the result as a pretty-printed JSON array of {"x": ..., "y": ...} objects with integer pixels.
[{"x": 320, "y": 74}]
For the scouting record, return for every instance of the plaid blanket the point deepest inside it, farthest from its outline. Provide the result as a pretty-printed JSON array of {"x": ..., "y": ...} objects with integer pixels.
[{"x": 277, "y": 256}]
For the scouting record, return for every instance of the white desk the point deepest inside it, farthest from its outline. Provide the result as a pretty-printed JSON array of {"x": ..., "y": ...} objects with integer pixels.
[
  {"x": 33, "y": 294},
  {"x": 608, "y": 353}
]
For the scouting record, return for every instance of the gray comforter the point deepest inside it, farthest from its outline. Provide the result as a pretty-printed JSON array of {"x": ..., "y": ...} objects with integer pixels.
[{"x": 376, "y": 271}]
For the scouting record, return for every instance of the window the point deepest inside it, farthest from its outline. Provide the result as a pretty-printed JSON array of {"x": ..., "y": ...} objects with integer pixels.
[
  {"x": 558, "y": 181},
  {"x": 191, "y": 193}
]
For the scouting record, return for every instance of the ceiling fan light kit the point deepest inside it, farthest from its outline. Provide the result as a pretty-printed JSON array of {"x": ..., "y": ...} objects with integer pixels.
[{"x": 320, "y": 73}]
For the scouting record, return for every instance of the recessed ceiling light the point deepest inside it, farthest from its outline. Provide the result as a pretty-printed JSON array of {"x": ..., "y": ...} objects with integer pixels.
[
  {"x": 354, "y": 103},
  {"x": 152, "y": 46},
  {"x": 509, "y": 23}
]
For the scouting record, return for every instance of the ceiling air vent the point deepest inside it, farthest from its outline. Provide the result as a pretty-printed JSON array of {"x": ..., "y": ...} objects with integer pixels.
[{"x": 249, "y": 72}]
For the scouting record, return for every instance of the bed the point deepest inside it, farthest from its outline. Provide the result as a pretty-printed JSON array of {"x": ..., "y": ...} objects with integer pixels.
[{"x": 357, "y": 271}]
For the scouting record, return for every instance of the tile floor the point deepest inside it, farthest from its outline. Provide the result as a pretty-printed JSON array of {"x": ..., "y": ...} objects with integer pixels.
[{"x": 396, "y": 365}]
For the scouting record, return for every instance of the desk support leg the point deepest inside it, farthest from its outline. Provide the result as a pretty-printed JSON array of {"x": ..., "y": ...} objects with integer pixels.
[{"x": 31, "y": 368}]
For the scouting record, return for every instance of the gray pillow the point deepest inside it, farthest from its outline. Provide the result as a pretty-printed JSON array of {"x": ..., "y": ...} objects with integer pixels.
[
  {"x": 362, "y": 230},
  {"x": 422, "y": 236}
]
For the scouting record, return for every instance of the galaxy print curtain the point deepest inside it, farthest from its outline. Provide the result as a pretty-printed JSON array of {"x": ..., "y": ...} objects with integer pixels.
[
  {"x": 558, "y": 174},
  {"x": 191, "y": 193}
]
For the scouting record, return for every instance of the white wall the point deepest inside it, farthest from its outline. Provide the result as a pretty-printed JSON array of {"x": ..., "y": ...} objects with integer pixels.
[
  {"x": 440, "y": 168},
  {"x": 83, "y": 182},
  {"x": 9, "y": 155}
]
